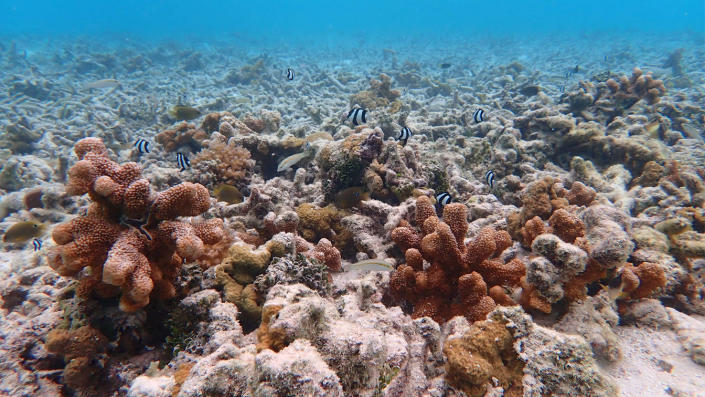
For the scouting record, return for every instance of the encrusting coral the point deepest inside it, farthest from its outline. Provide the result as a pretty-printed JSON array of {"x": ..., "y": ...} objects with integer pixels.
[
  {"x": 238, "y": 272},
  {"x": 81, "y": 350},
  {"x": 183, "y": 134},
  {"x": 457, "y": 280},
  {"x": 128, "y": 237},
  {"x": 482, "y": 356}
]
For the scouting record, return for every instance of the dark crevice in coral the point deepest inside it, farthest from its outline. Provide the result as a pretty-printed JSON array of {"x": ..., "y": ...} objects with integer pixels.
[{"x": 13, "y": 298}]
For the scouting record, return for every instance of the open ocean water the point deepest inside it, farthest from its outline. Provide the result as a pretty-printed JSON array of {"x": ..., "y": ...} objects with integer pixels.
[{"x": 237, "y": 198}]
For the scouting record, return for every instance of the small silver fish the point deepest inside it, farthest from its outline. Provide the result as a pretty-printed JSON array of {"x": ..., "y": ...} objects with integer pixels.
[
  {"x": 105, "y": 83},
  {"x": 370, "y": 265},
  {"x": 291, "y": 161}
]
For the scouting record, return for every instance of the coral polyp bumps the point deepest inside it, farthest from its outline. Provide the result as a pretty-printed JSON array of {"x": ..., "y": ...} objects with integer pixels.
[{"x": 129, "y": 238}]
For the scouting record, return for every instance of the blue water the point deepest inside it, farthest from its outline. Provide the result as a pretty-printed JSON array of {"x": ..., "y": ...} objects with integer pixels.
[{"x": 312, "y": 22}]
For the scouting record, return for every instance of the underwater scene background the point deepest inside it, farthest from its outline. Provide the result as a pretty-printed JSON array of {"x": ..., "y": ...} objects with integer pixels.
[{"x": 449, "y": 198}]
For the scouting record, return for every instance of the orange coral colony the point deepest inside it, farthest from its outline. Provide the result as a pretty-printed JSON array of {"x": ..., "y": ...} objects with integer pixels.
[
  {"x": 457, "y": 280},
  {"x": 128, "y": 237}
]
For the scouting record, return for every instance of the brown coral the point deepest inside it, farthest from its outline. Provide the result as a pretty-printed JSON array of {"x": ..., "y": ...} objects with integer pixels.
[
  {"x": 379, "y": 95},
  {"x": 650, "y": 176},
  {"x": 630, "y": 90},
  {"x": 456, "y": 282},
  {"x": 224, "y": 162},
  {"x": 579, "y": 194},
  {"x": 566, "y": 225},
  {"x": 80, "y": 349},
  {"x": 128, "y": 237},
  {"x": 641, "y": 281},
  {"x": 483, "y": 358},
  {"x": 183, "y": 134},
  {"x": 317, "y": 223},
  {"x": 531, "y": 229},
  {"x": 540, "y": 200}
]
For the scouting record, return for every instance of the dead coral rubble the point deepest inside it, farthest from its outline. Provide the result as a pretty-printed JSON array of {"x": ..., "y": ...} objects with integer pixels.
[
  {"x": 456, "y": 282},
  {"x": 129, "y": 237}
]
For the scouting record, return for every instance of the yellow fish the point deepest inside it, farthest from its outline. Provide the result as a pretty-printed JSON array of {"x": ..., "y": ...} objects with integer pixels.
[
  {"x": 227, "y": 193},
  {"x": 183, "y": 112},
  {"x": 21, "y": 232},
  {"x": 350, "y": 197}
]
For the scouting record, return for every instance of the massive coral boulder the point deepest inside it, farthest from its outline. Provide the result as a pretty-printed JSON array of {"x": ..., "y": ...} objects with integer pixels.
[{"x": 129, "y": 237}]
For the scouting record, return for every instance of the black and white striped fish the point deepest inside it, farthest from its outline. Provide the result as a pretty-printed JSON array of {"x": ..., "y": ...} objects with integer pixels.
[
  {"x": 142, "y": 146},
  {"x": 357, "y": 116},
  {"x": 137, "y": 224},
  {"x": 489, "y": 178},
  {"x": 478, "y": 116},
  {"x": 289, "y": 74},
  {"x": 183, "y": 161},
  {"x": 37, "y": 243},
  {"x": 442, "y": 199},
  {"x": 404, "y": 135}
]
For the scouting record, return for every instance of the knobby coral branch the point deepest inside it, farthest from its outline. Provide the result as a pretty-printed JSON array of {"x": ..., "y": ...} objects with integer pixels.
[{"x": 129, "y": 237}]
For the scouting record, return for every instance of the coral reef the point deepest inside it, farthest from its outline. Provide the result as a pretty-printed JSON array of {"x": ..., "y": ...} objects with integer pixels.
[
  {"x": 19, "y": 138},
  {"x": 484, "y": 358},
  {"x": 248, "y": 73},
  {"x": 244, "y": 276},
  {"x": 343, "y": 163},
  {"x": 379, "y": 95},
  {"x": 613, "y": 98},
  {"x": 222, "y": 162},
  {"x": 283, "y": 270},
  {"x": 303, "y": 255},
  {"x": 554, "y": 363},
  {"x": 82, "y": 350},
  {"x": 596, "y": 320},
  {"x": 456, "y": 282},
  {"x": 129, "y": 237},
  {"x": 182, "y": 135}
]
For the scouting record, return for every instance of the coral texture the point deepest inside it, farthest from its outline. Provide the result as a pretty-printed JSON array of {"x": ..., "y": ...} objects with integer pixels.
[
  {"x": 129, "y": 237},
  {"x": 457, "y": 280},
  {"x": 81, "y": 350},
  {"x": 182, "y": 135},
  {"x": 483, "y": 358},
  {"x": 222, "y": 162}
]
